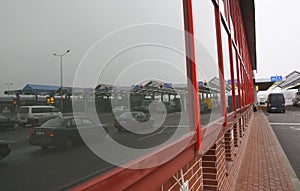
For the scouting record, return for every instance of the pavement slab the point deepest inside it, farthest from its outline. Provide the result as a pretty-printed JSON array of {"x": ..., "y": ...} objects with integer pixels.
[{"x": 265, "y": 166}]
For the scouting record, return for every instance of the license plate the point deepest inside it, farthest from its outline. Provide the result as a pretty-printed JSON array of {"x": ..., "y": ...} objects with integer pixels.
[
  {"x": 40, "y": 133},
  {"x": 273, "y": 108}
]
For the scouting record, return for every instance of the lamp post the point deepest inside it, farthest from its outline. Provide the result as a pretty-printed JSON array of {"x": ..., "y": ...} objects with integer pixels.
[
  {"x": 61, "y": 77},
  {"x": 8, "y": 87}
]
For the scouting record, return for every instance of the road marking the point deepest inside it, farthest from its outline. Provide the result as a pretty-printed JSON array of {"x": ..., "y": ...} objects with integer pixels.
[
  {"x": 289, "y": 124},
  {"x": 295, "y": 113},
  {"x": 295, "y": 128},
  {"x": 142, "y": 138},
  {"x": 165, "y": 131}
]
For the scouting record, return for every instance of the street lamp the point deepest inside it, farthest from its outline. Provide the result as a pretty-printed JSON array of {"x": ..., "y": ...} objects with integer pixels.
[
  {"x": 8, "y": 87},
  {"x": 61, "y": 77}
]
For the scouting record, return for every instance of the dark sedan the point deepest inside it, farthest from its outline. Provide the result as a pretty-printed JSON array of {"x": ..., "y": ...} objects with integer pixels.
[
  {"x": 6, "y": 123},
  {"x": 4, "y": 149},
  {"x": 60, "y": 132}
]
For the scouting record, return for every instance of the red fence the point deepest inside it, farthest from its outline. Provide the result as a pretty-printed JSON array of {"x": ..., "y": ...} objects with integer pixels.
[{"x": 212, "y": 159}]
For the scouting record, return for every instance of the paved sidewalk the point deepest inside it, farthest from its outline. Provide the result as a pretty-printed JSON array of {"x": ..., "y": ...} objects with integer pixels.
[{"x": 265, "y": 166}]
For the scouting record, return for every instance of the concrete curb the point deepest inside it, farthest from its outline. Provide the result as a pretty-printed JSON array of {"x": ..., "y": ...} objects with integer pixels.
[{"x": 294, "y": 179}]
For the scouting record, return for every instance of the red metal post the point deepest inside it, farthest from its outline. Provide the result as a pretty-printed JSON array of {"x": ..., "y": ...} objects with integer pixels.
[
  {"x": 231, "y": 62},
  {"x": 193, "y": 89},
  {"x": 221, "y": 64}
]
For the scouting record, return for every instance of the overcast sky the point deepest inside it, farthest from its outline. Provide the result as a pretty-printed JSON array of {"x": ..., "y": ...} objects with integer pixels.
[
  {"x": 32, "y": 30},
  {"x": 277, "y": 37}
]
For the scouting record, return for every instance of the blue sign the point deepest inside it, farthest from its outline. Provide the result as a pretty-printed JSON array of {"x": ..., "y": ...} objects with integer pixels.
[
  {"x": 279, "y": 78},
  {"x": 276, "y": 78},
  {"x": 229, "y": 82},
  {"x": 168, "y": 85},
  {"x": 273, "y": 78},
  {"x": 200, "y": 84}
]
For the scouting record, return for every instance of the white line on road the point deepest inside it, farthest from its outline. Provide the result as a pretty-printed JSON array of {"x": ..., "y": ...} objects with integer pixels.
[
  {"x": 163, "y": 130},
  {"x": 295, "y": 128},
  {"x": 289, "y": 124},
  {"x": 152, "y": 134}
]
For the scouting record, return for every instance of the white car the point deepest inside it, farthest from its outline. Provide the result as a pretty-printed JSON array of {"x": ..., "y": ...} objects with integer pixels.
[
  {"x": 119, "y": 110},
  {"x": 36, "y": 115}
]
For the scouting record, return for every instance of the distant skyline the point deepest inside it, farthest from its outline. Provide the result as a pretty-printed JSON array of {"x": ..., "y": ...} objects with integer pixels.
[{"x": 32, "y": 30}]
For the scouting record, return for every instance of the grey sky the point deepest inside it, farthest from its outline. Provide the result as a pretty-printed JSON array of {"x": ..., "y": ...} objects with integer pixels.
[
  {"x": 277, "y": 32},
  {"x": 32, "y": 30}
]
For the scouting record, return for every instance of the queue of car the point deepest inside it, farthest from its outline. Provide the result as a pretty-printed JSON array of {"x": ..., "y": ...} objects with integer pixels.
[{"x": 51, "y": 129}]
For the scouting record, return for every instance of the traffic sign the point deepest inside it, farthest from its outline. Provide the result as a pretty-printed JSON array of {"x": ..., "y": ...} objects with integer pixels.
[{"x": 276, "y": 78}]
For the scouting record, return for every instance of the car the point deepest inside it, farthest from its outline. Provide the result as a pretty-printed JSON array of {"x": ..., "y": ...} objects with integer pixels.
[
  {"x": 6, "y": 123},
  {"x": 119, "y": 110},
  {"x": 296, "y": 99},
  {"x": 61, "y": 132},
  {"x": 36, "y": 115},
  {"x": 4, "y": 149},
  {"x": 203, "y": 107},
  {"x": 133, "y": 120},
  {"x": 262, "y": 103},
  {"x": 276, "y": 102}
]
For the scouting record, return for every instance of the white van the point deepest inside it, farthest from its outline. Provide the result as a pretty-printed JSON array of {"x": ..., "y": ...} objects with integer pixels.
[
  {"x": 36, "y": 115},
  {"x": 296, "y": 99}
]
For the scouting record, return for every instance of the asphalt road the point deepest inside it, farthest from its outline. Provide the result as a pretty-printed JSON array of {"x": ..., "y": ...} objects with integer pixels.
[
  {"x": 29, "y": 168},
  {"x": 287, "y": 129}
]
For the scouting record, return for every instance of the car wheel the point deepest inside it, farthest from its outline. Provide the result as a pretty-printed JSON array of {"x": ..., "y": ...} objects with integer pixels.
[
  {"x": 283, "y": 111},
  {"x": 69, "y": 144}
]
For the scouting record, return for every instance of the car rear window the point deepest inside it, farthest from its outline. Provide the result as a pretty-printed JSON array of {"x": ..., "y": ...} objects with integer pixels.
[
  {"x": 41, "y": 110},
  {"x": 57, "y": 122},
  {"x": 276, "y": 98}
]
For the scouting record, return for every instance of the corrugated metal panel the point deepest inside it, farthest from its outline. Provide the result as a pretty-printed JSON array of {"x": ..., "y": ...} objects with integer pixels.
[{"x": 248, "y": 12}]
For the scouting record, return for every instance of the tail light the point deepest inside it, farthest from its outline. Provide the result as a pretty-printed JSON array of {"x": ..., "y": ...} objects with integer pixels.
[
  {"x": 51, "y": 134},
  {"x": 30, "y": 134}
]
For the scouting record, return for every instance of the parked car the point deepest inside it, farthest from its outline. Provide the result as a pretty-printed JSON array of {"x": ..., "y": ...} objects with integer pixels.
[
  {"x": 276, "y": 102},
  {"x": 6, "y": 123},
  {"x": 203, "y": 107},
  {"x": 36, "y": 115},
  {"x": 61, "y": 132},
  {"x": 296, "y": 99},
  {"x": 4, "y": 149},
  {"x": 132, "y": 120},
  {"x": 119, "y": 110}
]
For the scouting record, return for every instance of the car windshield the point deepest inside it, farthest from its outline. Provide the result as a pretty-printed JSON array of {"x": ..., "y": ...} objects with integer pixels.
[
  {"x": 57, "y": 122},
  {"x": 127, "y": 115}
]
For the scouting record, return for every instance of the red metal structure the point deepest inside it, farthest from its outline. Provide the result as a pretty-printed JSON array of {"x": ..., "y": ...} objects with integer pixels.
[{"x": 211, "y": 160}]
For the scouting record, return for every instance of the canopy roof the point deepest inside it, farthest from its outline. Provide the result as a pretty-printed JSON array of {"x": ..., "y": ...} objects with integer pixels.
[{"x": 37, "y": 89}]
